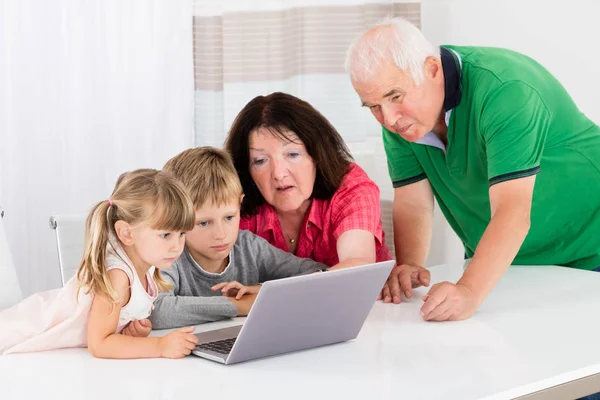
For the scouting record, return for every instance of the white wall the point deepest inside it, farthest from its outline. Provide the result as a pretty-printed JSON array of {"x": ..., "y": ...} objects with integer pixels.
[
  {"x": 562, "y": 36},
  {"x": 88, "y": 90}
]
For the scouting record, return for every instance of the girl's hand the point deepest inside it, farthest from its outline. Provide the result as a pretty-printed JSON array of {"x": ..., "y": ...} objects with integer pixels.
[
  {"x": 234, "y": 288},
  {"x": 138, "y": 328},
  {"x": 178, "y": 344}
]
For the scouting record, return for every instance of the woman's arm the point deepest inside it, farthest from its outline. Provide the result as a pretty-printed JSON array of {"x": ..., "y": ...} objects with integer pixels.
[
  {"x": 355, "y": 247},
  {"x": 356, "y": 223}
]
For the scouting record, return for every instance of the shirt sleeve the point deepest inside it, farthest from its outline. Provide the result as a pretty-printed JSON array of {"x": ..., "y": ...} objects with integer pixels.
[
  {"x": 357, "y": 207},
  {"x": 173, "y": 311},
  {"x": 274, "y": 263},
  {"x": 403, "y": 166},
  {"x": 514, "y": 124}
]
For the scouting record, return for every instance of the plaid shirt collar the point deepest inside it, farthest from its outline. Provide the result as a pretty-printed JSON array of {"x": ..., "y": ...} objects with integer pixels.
[{"x": 268, "y": 221}]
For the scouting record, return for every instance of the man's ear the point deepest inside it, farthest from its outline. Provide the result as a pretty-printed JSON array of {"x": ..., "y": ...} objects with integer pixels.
[
  {"x": 433, "y": 68},
  {"x": 123, "y": 230}
]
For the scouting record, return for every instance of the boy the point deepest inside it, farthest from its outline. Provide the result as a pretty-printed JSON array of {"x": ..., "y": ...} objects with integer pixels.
[{"x": 219, "y": 261}]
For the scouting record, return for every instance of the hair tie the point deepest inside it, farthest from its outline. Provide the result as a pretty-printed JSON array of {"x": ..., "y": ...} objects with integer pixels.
[{"x": 109, "y": 202}]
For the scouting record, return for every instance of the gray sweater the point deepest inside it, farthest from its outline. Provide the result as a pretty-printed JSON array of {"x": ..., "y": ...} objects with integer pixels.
[{"x": 252, "y": 261}]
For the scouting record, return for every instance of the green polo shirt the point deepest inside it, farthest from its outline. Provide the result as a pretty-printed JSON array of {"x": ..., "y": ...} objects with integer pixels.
[{"x": 512, "y": 119}]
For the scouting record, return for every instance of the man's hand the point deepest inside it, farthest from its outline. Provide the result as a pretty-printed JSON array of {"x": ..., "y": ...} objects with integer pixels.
[
  {"x": 403, "y": 278},
  {"x": 449, "y": 302},
  {"x": 235, "y": 289},
  {"x": 138, "y": 328}
]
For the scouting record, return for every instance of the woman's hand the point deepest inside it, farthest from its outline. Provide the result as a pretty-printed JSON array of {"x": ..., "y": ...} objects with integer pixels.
[{"x": 235, "y": 289}]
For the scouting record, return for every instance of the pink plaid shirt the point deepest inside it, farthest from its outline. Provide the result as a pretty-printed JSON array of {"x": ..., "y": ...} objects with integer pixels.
[{"x": 355, "y": 205}]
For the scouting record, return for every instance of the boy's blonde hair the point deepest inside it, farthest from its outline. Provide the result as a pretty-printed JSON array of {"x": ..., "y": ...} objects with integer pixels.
[
  {"x": 208, "y": 174},
  {"x": 143, "y": 195}
]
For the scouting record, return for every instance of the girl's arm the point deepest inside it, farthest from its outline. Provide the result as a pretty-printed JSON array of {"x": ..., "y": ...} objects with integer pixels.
[{"x": 103, "y": 342}]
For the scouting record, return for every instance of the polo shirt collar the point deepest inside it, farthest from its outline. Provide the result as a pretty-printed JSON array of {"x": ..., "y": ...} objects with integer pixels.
[{"x": 452, "y": 67}]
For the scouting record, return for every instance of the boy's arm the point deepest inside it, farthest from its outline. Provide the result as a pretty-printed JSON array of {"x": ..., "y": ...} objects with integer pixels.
[
  {"x": 274, "y": 263},
  {"x": 172, "y": 311}
]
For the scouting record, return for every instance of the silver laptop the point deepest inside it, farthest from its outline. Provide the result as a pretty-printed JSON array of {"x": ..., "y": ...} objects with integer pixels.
[{"x": 299, "y": 313}]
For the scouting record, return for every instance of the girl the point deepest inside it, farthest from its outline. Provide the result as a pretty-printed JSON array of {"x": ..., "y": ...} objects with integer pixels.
[{"x": 129, "y": 239}]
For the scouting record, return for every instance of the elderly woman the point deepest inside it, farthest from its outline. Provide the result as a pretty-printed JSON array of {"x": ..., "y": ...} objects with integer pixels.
[{"x": 303, "y": 193}]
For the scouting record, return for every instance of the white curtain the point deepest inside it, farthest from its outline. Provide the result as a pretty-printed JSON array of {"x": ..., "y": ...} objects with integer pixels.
[{"x": 88, "y": 90}]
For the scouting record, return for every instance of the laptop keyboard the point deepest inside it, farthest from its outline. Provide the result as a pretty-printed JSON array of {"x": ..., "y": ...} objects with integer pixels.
[{"x": 220, "y": 346}]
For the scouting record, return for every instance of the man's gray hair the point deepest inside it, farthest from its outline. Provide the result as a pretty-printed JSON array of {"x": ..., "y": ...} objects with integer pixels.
[{"x": 392, "y": 40}]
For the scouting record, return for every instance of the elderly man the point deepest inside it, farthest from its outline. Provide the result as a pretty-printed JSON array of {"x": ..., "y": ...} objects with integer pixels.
[{"x": 512, "y": 162}]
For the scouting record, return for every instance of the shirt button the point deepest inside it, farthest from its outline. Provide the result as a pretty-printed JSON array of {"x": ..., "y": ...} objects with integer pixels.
[{"x": 308, "y": 225}]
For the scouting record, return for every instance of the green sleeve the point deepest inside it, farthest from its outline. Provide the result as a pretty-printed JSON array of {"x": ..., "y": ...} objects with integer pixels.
[
  {"x": 403, "y": 166},
  {"x": 514, "y": 125}
]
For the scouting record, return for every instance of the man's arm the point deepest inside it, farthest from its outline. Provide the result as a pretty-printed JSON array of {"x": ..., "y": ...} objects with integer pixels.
[
  {"x": 412, "y": 218},
  {"x": 510, "y": 203}
]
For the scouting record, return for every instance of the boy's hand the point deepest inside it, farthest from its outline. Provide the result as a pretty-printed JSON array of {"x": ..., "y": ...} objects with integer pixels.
[
  {"x": 235, "y": 289},
  {"x": 244, "y": 304},
  {"x": 138, "y": 328}
]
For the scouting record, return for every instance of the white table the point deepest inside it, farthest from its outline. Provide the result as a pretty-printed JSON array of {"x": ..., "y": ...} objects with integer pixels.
[{"x": 539, "y": 329}]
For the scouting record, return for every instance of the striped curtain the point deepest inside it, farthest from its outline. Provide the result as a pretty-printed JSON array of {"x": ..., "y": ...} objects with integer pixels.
[
  {"x": 247, "y": 48},
  {"x": 243, "y": 49}
]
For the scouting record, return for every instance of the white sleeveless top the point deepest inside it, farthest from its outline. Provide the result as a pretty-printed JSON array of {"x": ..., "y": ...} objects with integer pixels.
[
  {"x": 58, "y": 318},
  {"x": 141, "y": 302}
]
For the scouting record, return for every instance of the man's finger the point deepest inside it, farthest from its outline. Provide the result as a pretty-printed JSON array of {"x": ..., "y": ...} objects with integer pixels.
[
  {"x": 434, "y": 299},
  {"x": 381, "y": 294},
  {"x": 387, "y": 297},
  {"x": 393, "y": 285},
  {"x": 445, "y": 316},
  {"x": 424, "y": 277},
  {"x": 406, "y": 285},
  {"x": 441, "y": 309},
  {"x": 385, "y": 293}
]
